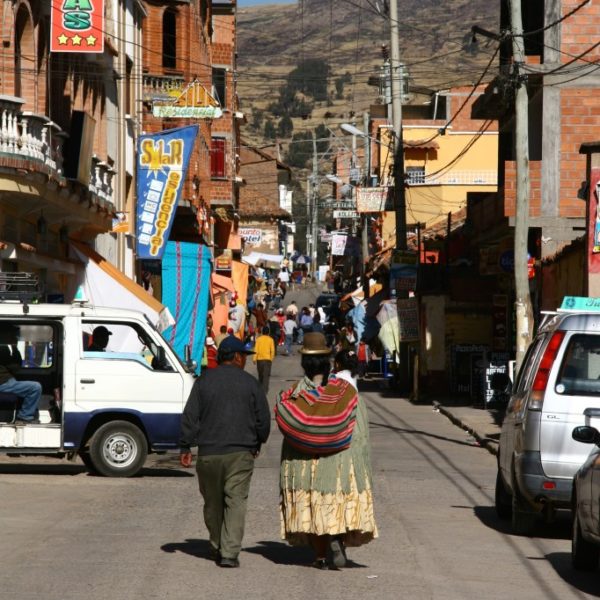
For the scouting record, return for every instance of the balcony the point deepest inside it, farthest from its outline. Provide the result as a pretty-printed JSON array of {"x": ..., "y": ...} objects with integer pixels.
[
  {"x": 159, "y": 87},
  {"x": 33, "y": 143},
  {"x": 454, "y": 178}
]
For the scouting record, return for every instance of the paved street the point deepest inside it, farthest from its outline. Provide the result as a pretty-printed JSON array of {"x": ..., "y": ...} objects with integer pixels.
[{"x": 69, "y": 535}]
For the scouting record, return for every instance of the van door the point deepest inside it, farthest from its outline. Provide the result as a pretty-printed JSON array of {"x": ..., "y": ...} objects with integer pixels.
[
  {"x": 571, "y": 399},
  {"x": 122, "y": 368}
]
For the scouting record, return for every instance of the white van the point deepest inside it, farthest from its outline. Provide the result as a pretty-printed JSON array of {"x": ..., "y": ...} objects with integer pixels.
[{"x": 110, "y": 407}]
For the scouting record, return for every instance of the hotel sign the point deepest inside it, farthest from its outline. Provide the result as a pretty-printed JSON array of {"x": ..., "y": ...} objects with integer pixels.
[
  {"x": 191, "y": 102},
  {"x": 77, "y": 26}
]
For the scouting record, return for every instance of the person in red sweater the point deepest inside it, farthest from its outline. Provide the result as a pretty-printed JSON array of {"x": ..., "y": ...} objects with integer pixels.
[
  {"x": 211, "y": 353},
  {"x": 364, "y": 356}
]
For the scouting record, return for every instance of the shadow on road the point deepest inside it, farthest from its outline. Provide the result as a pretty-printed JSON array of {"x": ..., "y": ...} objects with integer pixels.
[
  {"x": 196, "y": 548},
  {"x": 558, "y": 530},
  {"x": 423, "y": 433},
  {"x": 78, "y": 469},
  {"x": 584, "y": 582},
  {"x": 283, "y": 554}
]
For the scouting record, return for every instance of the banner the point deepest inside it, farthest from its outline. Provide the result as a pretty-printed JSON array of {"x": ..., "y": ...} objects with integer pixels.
[
  {"x": 163, "y": 159},
  {"x": 77, "y": 26},
  {"x": 251, "y": 235},
  {"x": 371, "y": 199}
]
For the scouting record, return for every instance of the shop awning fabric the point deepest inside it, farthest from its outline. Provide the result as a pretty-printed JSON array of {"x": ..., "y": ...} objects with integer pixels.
[
  {"x": 258, "y": 257},
  {"x": 105, "y": 285}
]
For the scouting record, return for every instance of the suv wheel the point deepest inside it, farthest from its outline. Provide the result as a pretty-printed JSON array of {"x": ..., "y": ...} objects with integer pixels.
[
  {"x": 503, "y": 498},
  {"x": 118, "y": 449},
  {"x": 523, "y": 519},
  {"x": 584, "y": 554}
]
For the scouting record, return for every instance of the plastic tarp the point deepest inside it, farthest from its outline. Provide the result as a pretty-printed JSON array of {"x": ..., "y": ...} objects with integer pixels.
[
  {"x": 104, "y": 285},
  {"x": 186, "y": 270},
  {"x": 258, "y": 257},
  {"x": 389, "y": 332}
]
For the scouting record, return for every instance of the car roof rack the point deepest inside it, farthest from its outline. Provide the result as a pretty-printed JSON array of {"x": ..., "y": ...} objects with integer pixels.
[{"x": 20, "y": 287}]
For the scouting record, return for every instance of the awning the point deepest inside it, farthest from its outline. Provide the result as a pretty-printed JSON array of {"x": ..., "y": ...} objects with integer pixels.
[
  {"x": 105, "y": 285},
  {"x": 421, "y": 145},
  {"x": 359, "y": 293}
]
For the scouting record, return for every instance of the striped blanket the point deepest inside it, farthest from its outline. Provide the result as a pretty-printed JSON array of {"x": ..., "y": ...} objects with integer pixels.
[{"x": 318, "y": 421}]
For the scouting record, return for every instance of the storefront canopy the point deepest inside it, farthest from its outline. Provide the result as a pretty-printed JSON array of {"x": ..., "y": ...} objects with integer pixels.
[
  {"x": 105, "y": 285},
  {"x": 259, "y": 257}
]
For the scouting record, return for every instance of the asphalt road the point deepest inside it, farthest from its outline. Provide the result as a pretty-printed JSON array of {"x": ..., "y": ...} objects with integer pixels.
[{"x": 66, "y": 534}]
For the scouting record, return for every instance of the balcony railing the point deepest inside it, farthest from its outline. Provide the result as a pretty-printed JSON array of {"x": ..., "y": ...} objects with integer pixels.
[
  {"x": 156, "y": 87},
  {"x": 458, "y": 178},
  {"x": 38, "y": 140}
]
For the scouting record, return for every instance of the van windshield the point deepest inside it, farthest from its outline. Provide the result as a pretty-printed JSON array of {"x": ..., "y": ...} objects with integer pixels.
[{"x": 580, "y": 369}]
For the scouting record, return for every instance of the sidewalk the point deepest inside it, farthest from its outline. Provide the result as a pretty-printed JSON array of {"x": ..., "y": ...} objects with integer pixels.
[{"x": 483, "y": 424}]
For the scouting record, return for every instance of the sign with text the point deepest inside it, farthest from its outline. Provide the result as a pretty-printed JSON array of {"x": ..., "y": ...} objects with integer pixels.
[
  {"x": 77, "y": 26},
  {"x": 162, "y": 163},
  {"x": 338, "y": 244},
  {"x": 345, "y": 214},
  {"x": 193, "y": 102},
  {"x": 371, "y": 199},
  {"x": 403, "y": 270},
  {"x": 408, "y": 319},
  {"x": 251, "y": 235}
]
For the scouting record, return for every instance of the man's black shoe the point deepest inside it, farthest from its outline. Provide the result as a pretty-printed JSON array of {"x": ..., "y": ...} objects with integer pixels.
[
  {"x": 214, "y": 554},
  {"x": 229, "y": 563}
]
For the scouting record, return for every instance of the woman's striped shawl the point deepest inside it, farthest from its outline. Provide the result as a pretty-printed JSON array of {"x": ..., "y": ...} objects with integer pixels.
[{"x": 318, "y": 421}]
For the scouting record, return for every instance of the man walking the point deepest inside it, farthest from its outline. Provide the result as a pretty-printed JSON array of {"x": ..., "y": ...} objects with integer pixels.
[
  {"x": 263, "y": 358},
  {"x": 227, "y": 416}
]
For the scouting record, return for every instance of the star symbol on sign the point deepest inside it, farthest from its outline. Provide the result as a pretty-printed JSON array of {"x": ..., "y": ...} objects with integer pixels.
[
  {"x": 62, "y": 39},
  {"x": 76, "y": 40},
  {"x": 91, "y": 40}
]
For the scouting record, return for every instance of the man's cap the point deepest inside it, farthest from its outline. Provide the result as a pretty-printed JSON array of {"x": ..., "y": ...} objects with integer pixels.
[
  {"x": 102, "y": 329},
  {"x": 233, "y": 344}
]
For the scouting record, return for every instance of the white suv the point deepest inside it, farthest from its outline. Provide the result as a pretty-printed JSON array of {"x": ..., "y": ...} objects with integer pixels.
[{"x": 557, "y": 389}]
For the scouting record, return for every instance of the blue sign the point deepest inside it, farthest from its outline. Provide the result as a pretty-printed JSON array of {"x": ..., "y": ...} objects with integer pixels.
[
  {"x": 580, "y": 303},
  {"x": 163, "y": 160}
]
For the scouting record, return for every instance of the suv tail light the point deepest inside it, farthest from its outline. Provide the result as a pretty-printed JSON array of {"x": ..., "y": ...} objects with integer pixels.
[{"x": 543, "y": 373}]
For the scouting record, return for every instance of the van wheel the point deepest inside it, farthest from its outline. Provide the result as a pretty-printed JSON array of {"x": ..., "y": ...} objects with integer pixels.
[
  {"x": 503, "y": 499},
  {"x": 584, "y": 554},
  {"x": 118, "y": 449},
  {"x": 86, "y": 459},
  {"x": 523, "y": 519}
]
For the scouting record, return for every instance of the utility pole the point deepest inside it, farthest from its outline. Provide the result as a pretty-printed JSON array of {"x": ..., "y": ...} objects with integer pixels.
[
  {"x": 365, "y": 216},
  {"x": 399, "y": 191},
  {"x": 315, "y": 208},
  {"x": 523, "y": 308}
]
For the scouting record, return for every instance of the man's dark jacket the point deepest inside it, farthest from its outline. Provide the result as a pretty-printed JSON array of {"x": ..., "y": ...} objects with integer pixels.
[{"x": 227, "y": 411}]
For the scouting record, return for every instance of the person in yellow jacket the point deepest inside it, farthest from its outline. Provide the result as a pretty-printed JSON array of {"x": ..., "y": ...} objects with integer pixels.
[{"x": 263, "y": 358}]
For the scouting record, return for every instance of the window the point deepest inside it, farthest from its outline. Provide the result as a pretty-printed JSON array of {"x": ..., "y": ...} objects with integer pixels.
[
  {"x": 169, "y": 41},
  {"x": 415, "y": 175},
  {"x": 219, "y": 78},
  {"x": 580, "y": 368},
  {"x": 122, "y": 341},
  {"x": 217, "y": 158},
  {"x": 27, "y": 346}
]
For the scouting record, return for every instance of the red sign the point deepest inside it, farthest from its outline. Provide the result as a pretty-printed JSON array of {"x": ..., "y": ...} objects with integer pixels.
[{"x": 77, "y": 26}]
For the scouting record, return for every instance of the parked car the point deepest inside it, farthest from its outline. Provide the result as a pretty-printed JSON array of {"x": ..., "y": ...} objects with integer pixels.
[
  {"x": 585, "y": 539},
  {"x": 557, "y": 389}
]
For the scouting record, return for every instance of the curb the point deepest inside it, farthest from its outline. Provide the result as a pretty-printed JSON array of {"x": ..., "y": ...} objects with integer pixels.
[{"x": 491, "y": 447}]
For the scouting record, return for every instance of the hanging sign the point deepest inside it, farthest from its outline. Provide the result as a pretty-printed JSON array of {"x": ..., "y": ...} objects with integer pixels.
[
  {"x": 193, "y": 101},
  {"x": 338, "y": 244},
  {"x": 371, "y": 199},
  {"x": 77, "y": 26},
  {"x": 162, "y": 163}
]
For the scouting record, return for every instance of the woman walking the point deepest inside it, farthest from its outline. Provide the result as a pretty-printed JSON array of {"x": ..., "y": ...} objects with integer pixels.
[{"x": 326, "y": 501}]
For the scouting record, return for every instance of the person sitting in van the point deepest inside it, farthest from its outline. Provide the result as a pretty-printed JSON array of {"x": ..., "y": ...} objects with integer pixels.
[
  {"x": 100, "y": 337},
  {"x": 10, "y": 360}
]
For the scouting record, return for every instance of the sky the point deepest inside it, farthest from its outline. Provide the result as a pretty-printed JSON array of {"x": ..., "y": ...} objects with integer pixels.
[{"x": 257, "y": 2}]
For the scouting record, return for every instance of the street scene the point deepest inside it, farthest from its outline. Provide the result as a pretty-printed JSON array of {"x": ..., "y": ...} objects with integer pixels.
[{"x": 300, "y": 297}]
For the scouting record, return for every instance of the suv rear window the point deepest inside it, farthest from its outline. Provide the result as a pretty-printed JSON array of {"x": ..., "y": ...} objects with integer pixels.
[{"x": 580, "y": 369}]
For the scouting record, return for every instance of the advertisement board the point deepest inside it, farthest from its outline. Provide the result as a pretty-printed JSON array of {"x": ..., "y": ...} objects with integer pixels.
[
  {"x": 251, "y": 235},
  {"x": 371, "y": 199},
  {"x": 77, "y": 26}
]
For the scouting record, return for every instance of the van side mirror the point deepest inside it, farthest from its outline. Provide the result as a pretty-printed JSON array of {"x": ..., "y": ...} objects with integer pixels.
[
  {"x": 586, "y": 435},
  {"x": 190, "y": 363}
]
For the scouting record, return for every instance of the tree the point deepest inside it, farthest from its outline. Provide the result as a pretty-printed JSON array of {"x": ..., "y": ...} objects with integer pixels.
[
  {"x": 258, "y": 117},
  {"x": 285, "y": 127},
  {"x": 300, "y": 150},
  {"x": 270, "y": 131},
  {"x": 310, "y": 78},
  {"x": 322, "y": 133}
]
